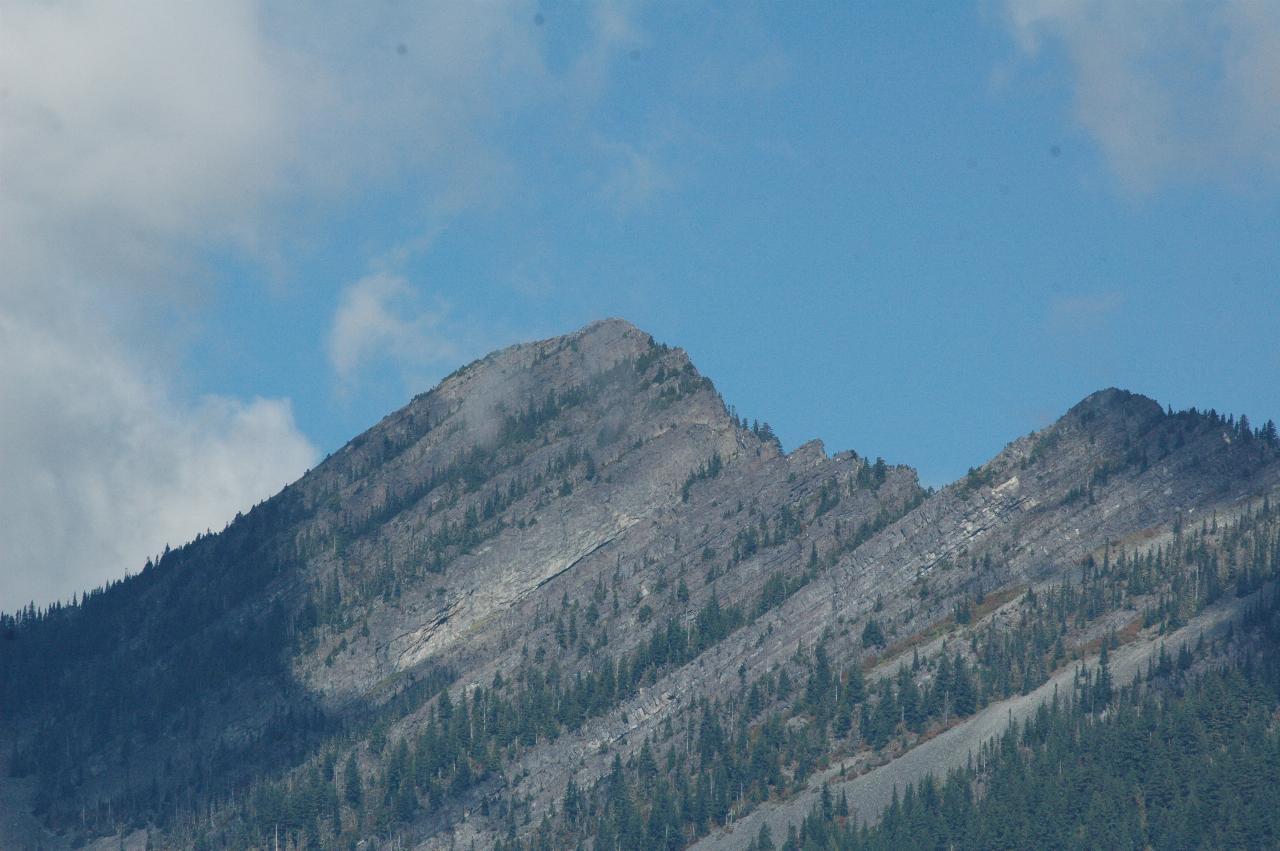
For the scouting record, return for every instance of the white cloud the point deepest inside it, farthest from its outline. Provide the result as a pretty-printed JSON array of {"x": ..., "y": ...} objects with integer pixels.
[
  {"x": 126, "y": 127},
  {"x": 102, "y": 467},
  {"x": 1082, "y": 314},
  {"x": 123, "y": 127},
  {"x": 380, "y": 318},
  {"x": 1170, "y": 91},
  {"x": 636, "y": 178}
]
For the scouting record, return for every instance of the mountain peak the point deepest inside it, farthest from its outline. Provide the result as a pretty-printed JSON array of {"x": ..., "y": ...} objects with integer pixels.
[
  {"x": 610, "y": 324},
  {"x": 1116, "y": 401},
  {"x": 593, "y": 347}
]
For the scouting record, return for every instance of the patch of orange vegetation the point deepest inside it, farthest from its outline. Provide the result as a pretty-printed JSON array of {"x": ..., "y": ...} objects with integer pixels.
[
  {"x": 1126, "y": 634},
  {"x": 903, "y": 645},
  {"x": 936, "y": 729},
  {"x": 994, "y": 601},
  {"x": 989, "y": 604},
  {"x": 1131, "y": 630}
]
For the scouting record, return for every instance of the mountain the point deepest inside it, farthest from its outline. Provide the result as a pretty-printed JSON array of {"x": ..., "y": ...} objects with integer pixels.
[{"x": 569, "y": 597}]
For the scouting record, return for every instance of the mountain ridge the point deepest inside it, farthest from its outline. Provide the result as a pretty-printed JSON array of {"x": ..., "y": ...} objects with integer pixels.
[{"x": 551, "y": 513}]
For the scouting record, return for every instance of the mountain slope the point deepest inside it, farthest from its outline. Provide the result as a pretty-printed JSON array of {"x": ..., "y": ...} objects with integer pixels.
[{"x": 575, "y": 551}]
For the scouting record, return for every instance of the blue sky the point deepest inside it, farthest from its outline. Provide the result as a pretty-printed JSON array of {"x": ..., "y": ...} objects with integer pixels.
[{"x": 917, "y": 230}]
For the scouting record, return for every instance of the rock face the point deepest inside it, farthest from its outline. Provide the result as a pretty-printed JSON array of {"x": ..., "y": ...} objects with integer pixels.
[{"x": 559, "y": 504}]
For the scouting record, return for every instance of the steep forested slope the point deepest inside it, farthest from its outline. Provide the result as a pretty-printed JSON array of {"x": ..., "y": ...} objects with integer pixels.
[{"x": 1188, "y": 756}]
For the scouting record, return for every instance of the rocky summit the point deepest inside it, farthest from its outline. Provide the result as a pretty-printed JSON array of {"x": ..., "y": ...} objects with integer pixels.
[{"x": 569, "y": 598}]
